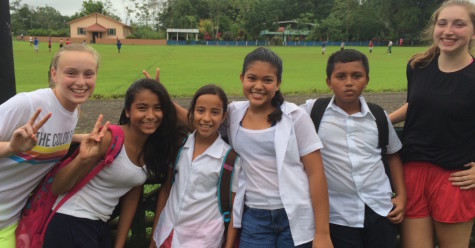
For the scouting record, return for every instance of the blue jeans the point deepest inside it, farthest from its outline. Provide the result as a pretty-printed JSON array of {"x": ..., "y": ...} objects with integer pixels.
[{"x": 266, "y": 229}]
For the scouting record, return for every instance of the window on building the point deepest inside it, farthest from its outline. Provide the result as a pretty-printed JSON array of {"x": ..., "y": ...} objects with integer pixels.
[
  {"x": 111, "y": 31},
  {"x": 81, "y": 31}
]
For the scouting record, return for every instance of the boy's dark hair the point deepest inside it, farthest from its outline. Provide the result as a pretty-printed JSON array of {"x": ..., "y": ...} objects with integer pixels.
[
  {"x": 209, "y": 89},
  {"x": 265, "y": 55},
  {"x": 161, "y": 147},
  {"x": 346, "y": 56}
]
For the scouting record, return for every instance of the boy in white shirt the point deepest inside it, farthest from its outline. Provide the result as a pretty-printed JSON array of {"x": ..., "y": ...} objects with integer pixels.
[{"x": 362, "y": 210}]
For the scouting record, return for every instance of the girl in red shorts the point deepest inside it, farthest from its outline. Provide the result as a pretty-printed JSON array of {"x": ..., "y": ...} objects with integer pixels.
[{"x": 439, "y": 133}]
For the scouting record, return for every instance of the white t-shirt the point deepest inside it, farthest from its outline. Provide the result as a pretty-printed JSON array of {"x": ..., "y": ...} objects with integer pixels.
[
  {"x": 98, "y": 198},
  {"x": 352, "y": 162},
  {"x": 258, "y": 153},
  {"x": 20, "y": 173},
  {"x": 192, "y": 210}
]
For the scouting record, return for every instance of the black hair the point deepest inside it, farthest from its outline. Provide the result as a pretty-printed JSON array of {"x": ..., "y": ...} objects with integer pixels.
[
  {"x": 346, "y": 56},
  {"x": 161, "y": 147},
  {"x": 209, "y": 89},
  {"x": 265, "y": 55}
]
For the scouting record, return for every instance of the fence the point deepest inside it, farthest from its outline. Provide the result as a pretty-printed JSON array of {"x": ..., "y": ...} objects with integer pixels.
[{"x": 273, "y": 43}]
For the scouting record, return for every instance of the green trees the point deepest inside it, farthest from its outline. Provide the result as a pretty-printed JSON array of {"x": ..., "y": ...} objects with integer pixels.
[
  {"x": 349, "y": 20},
  {"x": 90, "y": 7},
  {"x": 337, "y": 20},
  {"x": 42, "y": 21},
  {"x": 47, "y": 21}
]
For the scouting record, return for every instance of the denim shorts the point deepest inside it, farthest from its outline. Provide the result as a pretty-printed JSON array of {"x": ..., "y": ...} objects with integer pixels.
[{"x": 266, "y": 228}]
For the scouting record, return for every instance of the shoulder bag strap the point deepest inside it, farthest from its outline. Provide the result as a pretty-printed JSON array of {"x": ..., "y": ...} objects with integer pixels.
[
  {"x": 112, "y": 152},
  {"x": 318, "y": 110}
]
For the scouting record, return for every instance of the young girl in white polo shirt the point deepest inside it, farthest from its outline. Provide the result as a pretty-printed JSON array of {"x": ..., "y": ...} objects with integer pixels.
[{"x": 191, "y": 217}]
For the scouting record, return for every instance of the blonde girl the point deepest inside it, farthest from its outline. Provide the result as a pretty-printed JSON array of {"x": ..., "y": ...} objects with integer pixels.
[
  {"x": 439, "y": 132},
  {"x": 73, "y": 71}
]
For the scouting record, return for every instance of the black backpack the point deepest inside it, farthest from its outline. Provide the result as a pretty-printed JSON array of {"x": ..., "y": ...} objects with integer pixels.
[{"x": 381, "y": 122}]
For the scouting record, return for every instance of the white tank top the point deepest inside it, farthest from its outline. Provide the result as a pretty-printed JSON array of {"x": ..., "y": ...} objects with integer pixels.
[
  {"x": 97, "y": 199},
  {"x": 258, "y": 153}
]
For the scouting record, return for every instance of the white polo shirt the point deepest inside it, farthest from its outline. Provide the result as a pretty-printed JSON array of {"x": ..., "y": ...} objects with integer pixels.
[
  {"x": 192, "y": 210},
  {"x": 352, "y": 161}
]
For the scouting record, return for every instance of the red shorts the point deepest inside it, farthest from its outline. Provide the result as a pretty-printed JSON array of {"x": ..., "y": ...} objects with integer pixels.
[{"x": 430, "y": 193}]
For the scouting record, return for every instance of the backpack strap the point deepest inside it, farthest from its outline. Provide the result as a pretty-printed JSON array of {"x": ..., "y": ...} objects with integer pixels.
[
  {"x": 176, "y": 162},
  {"x": 383, "y": 134},
  {"x": 112, "y": 152},
  {"x": 225, "y": 182},
  {"x": 318, "y": 110},
  {"x": 177, "y": 158},
  {"x": 224, "y": 187},
  {"x": 382, "y": 123},
  {"x": 320, "y": 106}
]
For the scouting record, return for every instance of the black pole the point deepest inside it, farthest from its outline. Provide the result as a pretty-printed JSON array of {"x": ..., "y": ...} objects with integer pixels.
[{"x": 7, "y": 70}]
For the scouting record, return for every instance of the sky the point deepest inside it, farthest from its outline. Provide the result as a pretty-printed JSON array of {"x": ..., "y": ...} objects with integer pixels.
[{"x": 69, "y": 7}]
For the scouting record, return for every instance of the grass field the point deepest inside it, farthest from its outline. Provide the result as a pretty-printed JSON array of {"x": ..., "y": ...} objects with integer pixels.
[{"x": 185, "y": 68}]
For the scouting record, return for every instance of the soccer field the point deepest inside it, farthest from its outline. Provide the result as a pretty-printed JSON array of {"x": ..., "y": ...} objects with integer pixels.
[{"x": 185, "y": 68}]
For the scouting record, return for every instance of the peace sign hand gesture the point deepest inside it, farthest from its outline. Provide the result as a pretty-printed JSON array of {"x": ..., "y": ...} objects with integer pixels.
[
  {"x": 92, "y": 149},
  {"x": 24, "y": 138},
  {"x": 91, "y": 145},
  {"x": 157, "y": 74}
]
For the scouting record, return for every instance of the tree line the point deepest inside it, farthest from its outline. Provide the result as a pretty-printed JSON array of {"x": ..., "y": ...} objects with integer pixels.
[{"x": 335, "y": 20}]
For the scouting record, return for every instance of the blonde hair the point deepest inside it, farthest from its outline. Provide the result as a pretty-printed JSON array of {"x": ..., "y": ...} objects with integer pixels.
[
  {"x": 70, "y": 48},
  {"x": 423, "y": 59}
]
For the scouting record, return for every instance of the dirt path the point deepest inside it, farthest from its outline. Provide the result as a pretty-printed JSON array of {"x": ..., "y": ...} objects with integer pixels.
[{"x": 111, "y": 109}]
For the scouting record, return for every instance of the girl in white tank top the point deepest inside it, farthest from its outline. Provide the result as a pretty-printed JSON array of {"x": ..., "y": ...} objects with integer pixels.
[{"x": 151, "y": 139}]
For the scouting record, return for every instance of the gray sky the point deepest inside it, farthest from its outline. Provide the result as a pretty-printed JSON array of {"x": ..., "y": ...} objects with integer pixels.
[{"x": 69, "y": 7}]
